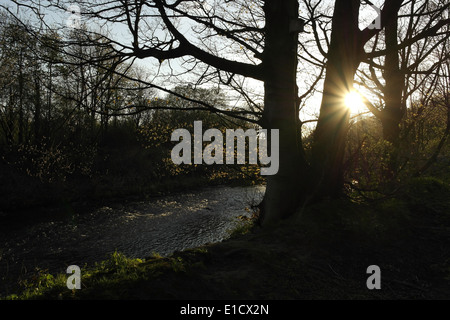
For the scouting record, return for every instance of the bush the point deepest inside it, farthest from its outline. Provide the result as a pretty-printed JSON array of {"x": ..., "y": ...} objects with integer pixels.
[{"x": 427, "y": 194}]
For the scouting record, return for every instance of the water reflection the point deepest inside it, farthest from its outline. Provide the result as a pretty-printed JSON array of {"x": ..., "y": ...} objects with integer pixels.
[{"x": 137, "y": 229}]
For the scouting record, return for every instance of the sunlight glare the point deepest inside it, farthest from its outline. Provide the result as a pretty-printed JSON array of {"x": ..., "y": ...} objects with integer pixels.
[{"x": 354, "y": 102}]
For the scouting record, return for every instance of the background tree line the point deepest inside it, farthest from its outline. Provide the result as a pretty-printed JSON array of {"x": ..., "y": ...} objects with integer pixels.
[
  {"x": 73, "y": 131},
  {"x": 402, "y": 75},
  {"x": 401, "y": 66}
]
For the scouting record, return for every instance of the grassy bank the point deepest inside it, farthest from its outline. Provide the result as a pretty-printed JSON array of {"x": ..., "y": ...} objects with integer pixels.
[{"x": 322, "y": 253}]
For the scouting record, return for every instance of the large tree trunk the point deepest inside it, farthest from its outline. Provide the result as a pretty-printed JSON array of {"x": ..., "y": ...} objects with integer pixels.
[
  {"x": 21, "y": 125},
  {"x": 284, "y": 189},
  {"x": 295, "y": 181},
  {"x": 37, "y": 111},
  {"x": 344, "y": 56},
  {"x": 393, "y": 112}
]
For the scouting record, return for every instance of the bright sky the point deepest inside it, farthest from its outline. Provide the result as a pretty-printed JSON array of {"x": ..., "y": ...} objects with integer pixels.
[{"x": 304, "y": 78}]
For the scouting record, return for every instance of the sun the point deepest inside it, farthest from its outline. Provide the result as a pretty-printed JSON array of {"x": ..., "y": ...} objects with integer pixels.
[{"x": 354, "y": 101}]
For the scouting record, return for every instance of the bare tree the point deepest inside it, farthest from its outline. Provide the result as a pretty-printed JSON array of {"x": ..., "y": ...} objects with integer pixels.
[
  {"x": 227, "y": 42},
  {"x": 401, "y": 62}
]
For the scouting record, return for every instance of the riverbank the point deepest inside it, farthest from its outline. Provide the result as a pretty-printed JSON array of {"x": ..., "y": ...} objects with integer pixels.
[
  {"x": 35, "y": 196},
  {"x": 323, "y": 254},
  {"x": 69, "y": 235}
]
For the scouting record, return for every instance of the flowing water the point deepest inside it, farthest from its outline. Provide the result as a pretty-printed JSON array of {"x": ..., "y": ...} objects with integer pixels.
[{"x": 137, "y": 229}]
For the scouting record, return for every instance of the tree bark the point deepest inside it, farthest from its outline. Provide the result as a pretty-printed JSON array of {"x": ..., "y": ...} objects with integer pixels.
[
  {"x": 284, "y": 189},
  {"x": 344, "y": 56},
  {"x": 37, "y": 111},
  {"x": 21, "y": 99},
  {"x": 295, "y": 181},
  {"x": 392, "y": 114}
]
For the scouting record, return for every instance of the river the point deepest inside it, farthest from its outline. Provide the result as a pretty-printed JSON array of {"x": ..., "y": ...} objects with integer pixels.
[{"x": 137, "y": 229}]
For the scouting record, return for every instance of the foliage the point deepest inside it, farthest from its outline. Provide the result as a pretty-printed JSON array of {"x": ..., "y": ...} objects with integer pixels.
[
  {"x": 428, "y": 194},
  {"x": 113, "y": 141},
  {"x": 374, "y": 164}
]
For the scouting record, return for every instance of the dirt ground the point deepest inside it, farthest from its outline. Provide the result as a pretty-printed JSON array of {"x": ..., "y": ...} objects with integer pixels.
[{"x": 324, "y": 254}]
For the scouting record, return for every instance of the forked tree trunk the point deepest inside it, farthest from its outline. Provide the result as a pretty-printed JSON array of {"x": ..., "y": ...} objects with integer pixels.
[{"x": 297, "y": 181}]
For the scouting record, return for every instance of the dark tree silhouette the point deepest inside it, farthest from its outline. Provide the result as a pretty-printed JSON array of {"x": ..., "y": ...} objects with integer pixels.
[{"x": 221, "y": 41}]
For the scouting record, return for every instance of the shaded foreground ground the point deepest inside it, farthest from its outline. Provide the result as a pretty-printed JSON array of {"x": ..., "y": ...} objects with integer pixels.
[{"x": 321, "y": 254}]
